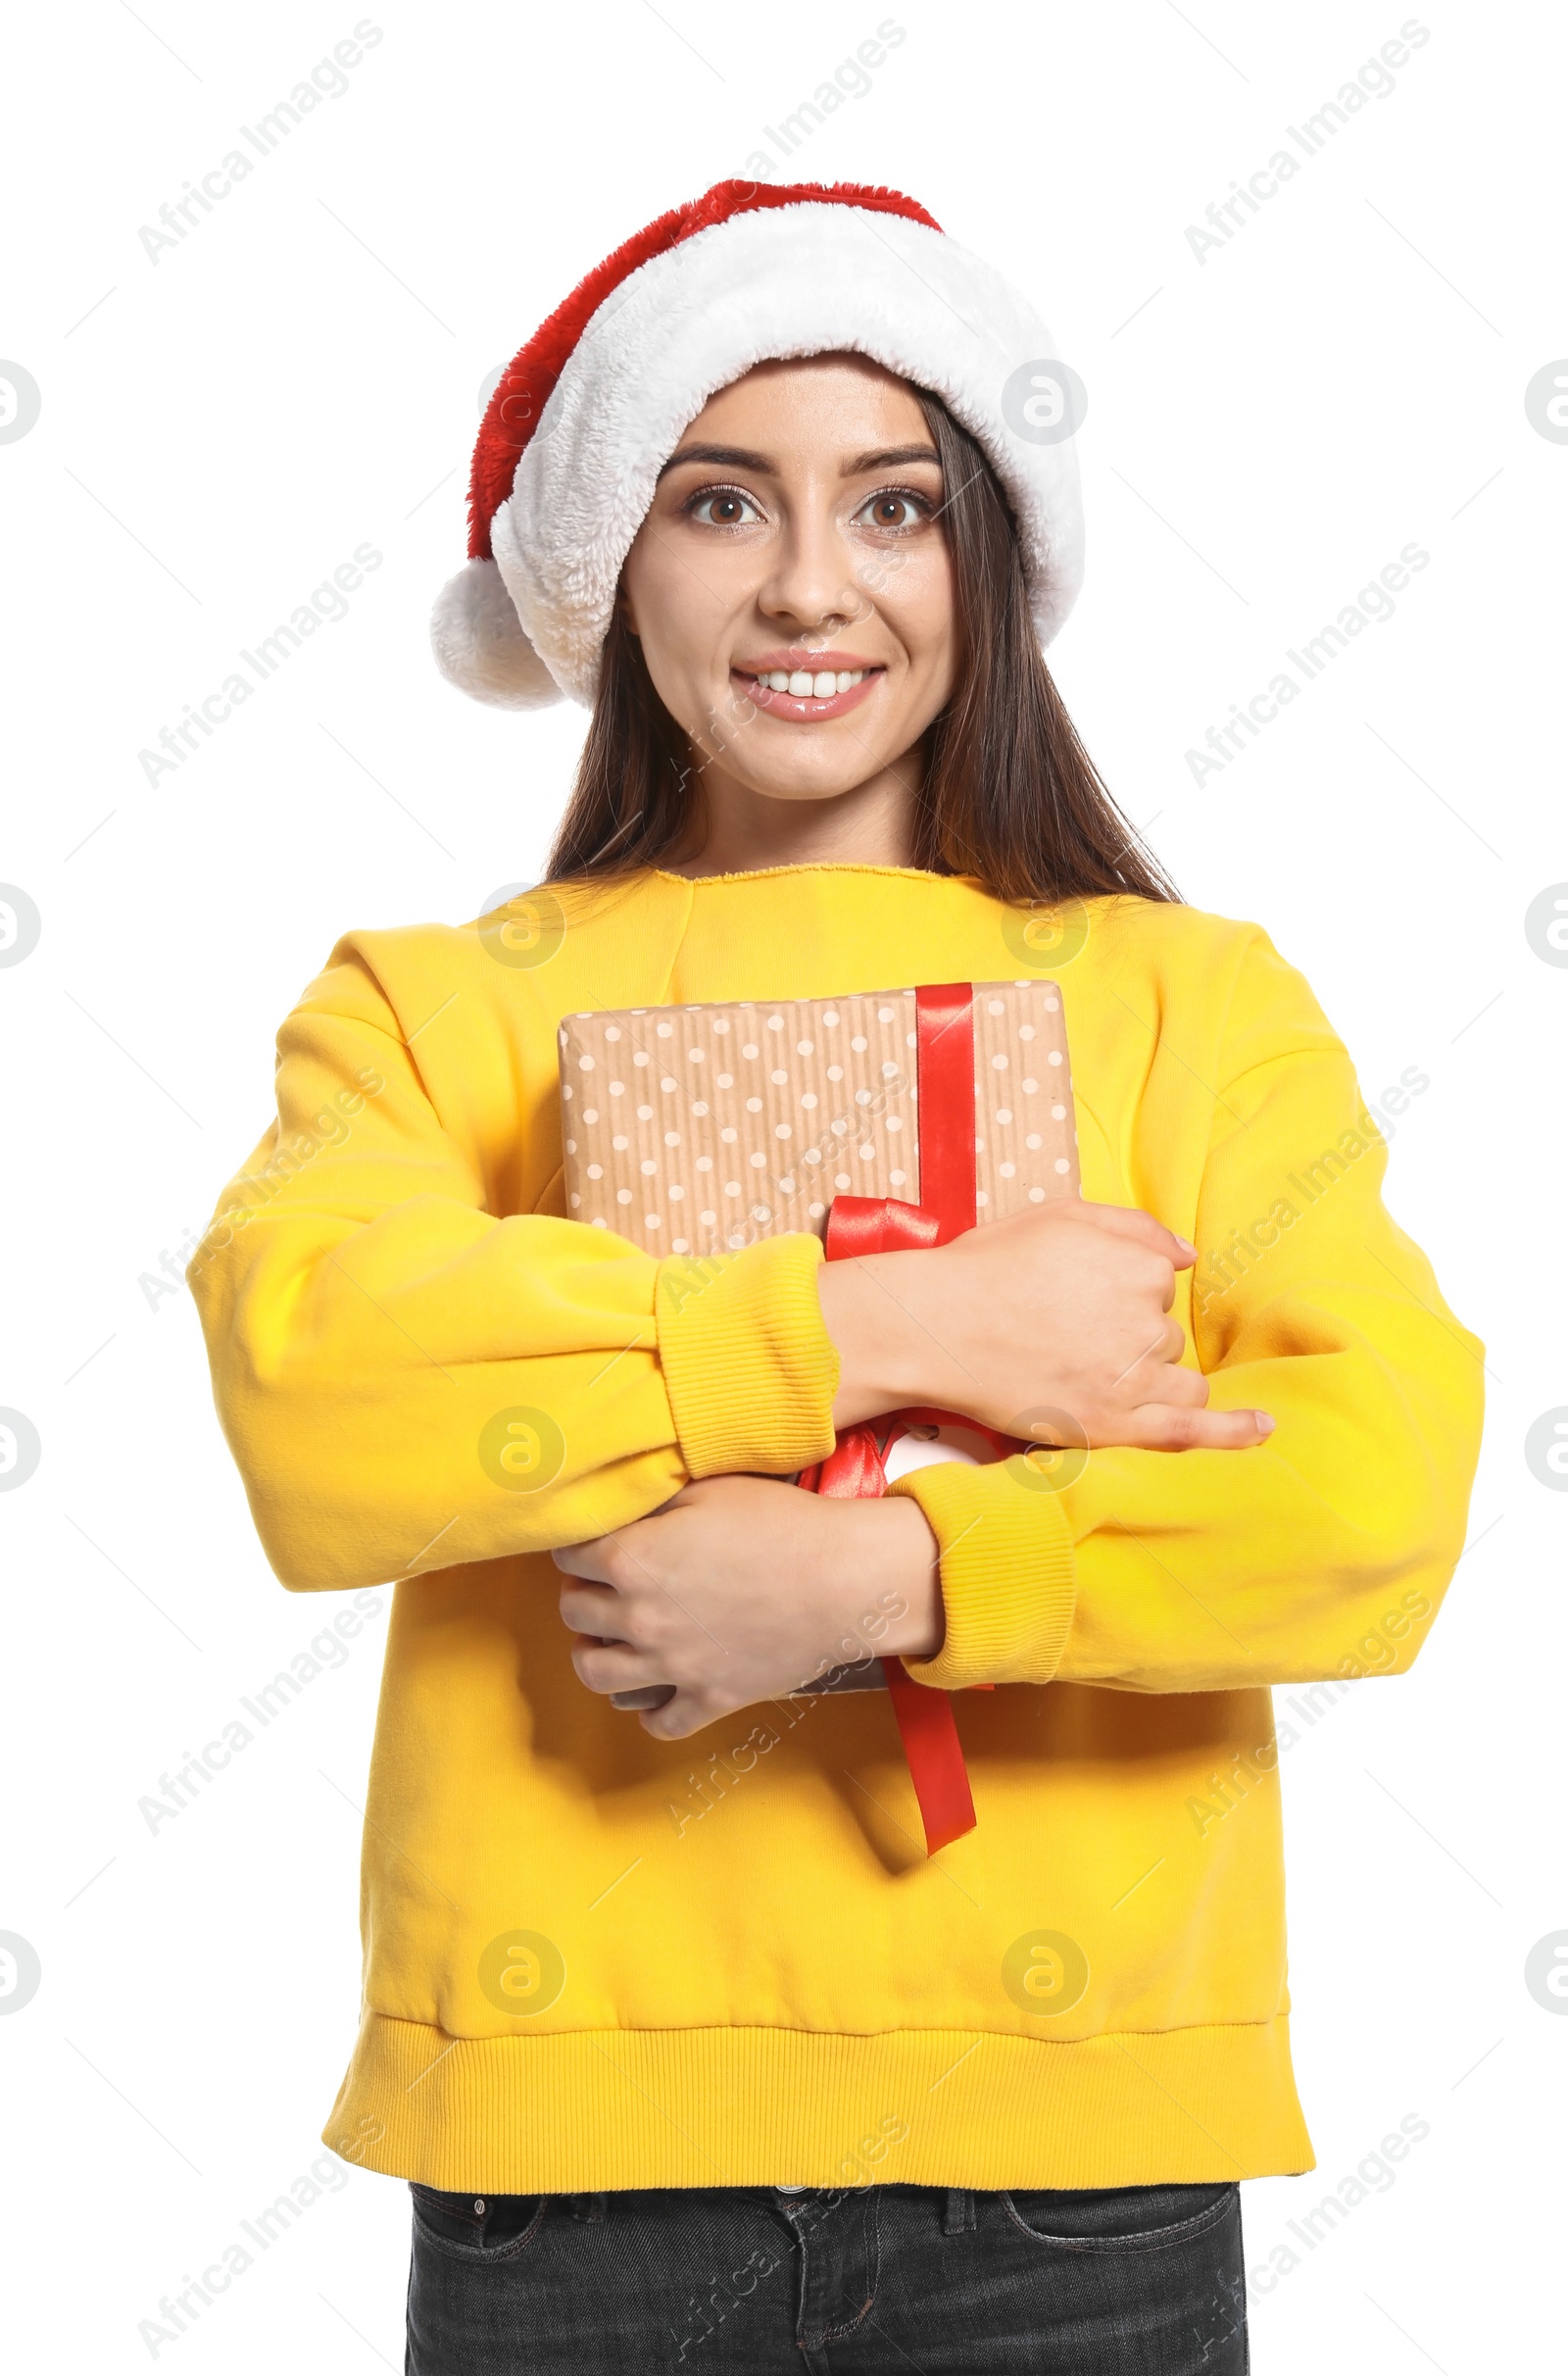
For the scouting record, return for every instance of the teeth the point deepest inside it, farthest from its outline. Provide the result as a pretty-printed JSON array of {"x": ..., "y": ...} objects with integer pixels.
[{"x": 803, "y": 683}]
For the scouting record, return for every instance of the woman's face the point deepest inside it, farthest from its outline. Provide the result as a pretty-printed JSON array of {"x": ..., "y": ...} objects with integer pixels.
[{"x": 795, "y": 535}]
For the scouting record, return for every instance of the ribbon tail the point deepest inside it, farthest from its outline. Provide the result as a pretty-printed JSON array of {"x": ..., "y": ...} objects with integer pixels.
[
  {"x": 935, "y": 1756},
  {"x": 855, "y": 1468}
]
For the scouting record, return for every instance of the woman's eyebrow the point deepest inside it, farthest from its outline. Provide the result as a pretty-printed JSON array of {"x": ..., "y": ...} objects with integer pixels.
[
  {"x": 731, "y": 458},
  {"x": 742, "y": 457},
  {"x": 891, "y": 458}
]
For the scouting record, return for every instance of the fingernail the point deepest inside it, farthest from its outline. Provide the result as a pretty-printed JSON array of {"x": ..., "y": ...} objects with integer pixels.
[
  {"x": 1265, "y": 1425},
  {"x": 1189, "y": 1249}
]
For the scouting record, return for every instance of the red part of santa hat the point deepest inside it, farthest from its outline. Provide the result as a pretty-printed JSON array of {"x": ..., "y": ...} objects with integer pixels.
[{"x": 587, "y": 412}]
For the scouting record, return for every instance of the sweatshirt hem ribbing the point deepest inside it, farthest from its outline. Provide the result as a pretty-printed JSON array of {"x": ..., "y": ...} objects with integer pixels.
[{"x": 577, "y": 2111}]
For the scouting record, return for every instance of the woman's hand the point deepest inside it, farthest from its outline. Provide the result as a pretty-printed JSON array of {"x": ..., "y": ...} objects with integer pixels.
[
  {"x": 742, "y": 1589},
  {"x": 1065, "y": 1310}
]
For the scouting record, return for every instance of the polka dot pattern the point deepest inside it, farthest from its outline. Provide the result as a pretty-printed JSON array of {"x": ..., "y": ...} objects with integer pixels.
[
  {"x": 800, "y": 1099},
  {"x": 1026, "y": 1145}
]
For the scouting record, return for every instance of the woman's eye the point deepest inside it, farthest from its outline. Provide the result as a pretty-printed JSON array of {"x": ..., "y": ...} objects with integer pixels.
[
  {"x": 722, "y": 508},
  {"x": 895, "y": 511}
]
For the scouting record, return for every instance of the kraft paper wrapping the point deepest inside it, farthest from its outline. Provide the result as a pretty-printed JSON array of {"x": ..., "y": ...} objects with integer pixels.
[{"x": 699, "y": 1129}]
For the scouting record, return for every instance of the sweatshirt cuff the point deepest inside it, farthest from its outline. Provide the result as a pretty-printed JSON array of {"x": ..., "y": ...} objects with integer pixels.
[
  {"x": 1008, "y": 1576},
  {"x": 748, "y": 1367}
]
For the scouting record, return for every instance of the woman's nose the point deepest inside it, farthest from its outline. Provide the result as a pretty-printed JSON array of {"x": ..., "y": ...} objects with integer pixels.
[{"x": 812, "y": 580}]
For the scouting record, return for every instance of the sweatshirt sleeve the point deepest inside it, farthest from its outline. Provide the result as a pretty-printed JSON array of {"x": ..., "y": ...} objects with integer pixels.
[
  {"x": 1321, "y": 1554},
  {"x": 408, "y": 1380}
]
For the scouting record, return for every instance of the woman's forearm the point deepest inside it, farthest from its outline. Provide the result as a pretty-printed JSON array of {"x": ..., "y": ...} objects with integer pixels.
[{"x": 865, "y": 1309}]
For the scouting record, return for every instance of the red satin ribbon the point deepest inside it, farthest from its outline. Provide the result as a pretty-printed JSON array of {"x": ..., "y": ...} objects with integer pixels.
[{"x": 853, "y": 1469}]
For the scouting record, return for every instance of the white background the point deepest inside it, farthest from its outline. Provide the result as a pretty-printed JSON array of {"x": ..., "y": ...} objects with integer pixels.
[{"x": 220, "y": 428}]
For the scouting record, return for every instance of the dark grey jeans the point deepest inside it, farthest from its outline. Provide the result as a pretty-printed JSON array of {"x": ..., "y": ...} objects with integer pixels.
[{"x": 755, "y": 2281}]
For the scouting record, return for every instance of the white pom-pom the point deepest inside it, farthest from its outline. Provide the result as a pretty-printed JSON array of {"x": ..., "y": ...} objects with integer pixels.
[{"x": 480, "y": 647}]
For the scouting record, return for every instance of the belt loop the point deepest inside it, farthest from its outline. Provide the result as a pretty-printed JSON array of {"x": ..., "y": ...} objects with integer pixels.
[
  {"x": 959, "y": 2212},
  {"x": 589, "y": 2207}
]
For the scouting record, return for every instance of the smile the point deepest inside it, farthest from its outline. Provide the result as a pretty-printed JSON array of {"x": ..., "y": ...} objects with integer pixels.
[{"x": 806, "y": 694}]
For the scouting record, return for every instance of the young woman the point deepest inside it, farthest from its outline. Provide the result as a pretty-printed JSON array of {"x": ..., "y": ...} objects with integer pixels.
[{"x": 691, "y": 2056}]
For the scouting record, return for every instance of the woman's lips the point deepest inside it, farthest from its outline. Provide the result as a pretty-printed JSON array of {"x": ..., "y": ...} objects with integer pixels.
[{"x": 807, "y": 708}]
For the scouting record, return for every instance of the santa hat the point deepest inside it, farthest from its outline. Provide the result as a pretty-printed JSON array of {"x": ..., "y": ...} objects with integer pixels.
[{"x": 588, "y": 412}]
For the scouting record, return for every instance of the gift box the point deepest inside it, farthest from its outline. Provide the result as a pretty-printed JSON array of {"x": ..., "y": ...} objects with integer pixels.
[
  {"x": 698, "y": 1129},
  {"x": 880, "y": 1119}
]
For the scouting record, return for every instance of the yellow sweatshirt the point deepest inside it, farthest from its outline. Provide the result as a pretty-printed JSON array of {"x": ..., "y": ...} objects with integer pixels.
[{"x": 594, "y": 1959}]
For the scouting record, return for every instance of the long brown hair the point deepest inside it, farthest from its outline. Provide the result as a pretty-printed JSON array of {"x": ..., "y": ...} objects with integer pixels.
[{"x": 1009, "y": 794}]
